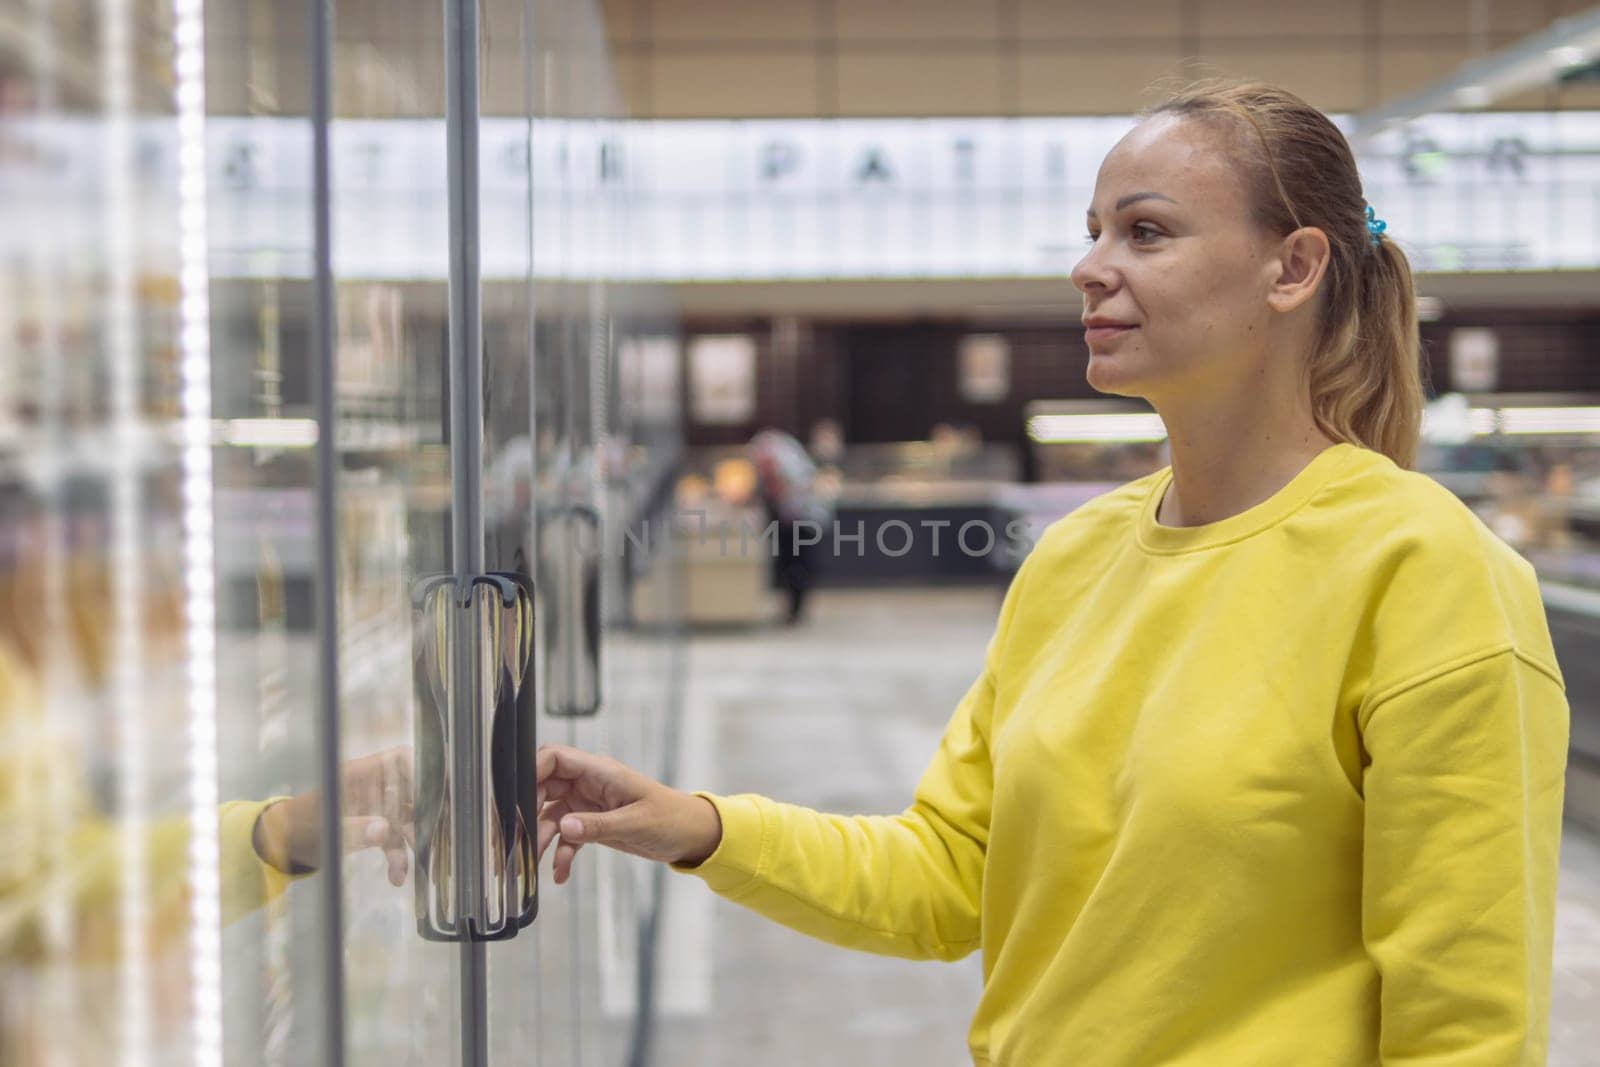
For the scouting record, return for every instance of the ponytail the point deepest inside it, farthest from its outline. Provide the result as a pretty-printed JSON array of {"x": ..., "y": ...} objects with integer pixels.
[{"x": 1366, "y": 377}]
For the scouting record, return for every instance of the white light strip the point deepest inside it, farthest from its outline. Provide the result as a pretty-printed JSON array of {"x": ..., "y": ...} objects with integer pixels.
[
  {"x": 1111, "y": 426},
  {"x": 1482, "y": 420},
  {"x": 127, "y": 568},
  {"x": 1550, "y": 420},
  {"x": 270, "y": 433},
  {"x": 188, "y": 33}
]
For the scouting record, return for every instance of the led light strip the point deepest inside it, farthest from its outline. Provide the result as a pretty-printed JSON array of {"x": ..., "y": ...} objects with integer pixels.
[
  {"x": 1580, "y": 420},
  {"x": 188, "y": 34},
  {"x": 270, "y": 433},
  {"x": 127, "y": 568},
  {"x": 1482, "y": 420},
  {"x": 1108, "y": 427}
]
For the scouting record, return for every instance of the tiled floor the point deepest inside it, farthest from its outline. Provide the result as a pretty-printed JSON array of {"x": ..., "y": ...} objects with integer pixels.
[{"x": 841, "y": 714}]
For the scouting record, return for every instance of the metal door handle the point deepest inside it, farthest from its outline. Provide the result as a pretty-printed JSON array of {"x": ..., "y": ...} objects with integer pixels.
[
  {"x": 481, "y": 884},
  {"x": 570, "y": 548}
]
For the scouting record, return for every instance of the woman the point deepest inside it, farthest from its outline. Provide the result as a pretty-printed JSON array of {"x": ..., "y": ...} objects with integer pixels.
[{"x": 1266, "y": 762}]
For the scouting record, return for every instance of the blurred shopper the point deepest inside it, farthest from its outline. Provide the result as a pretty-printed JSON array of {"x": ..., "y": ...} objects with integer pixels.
[
  {"x": 1266, "y": 762},
  {"x": 787, "y": 482}
]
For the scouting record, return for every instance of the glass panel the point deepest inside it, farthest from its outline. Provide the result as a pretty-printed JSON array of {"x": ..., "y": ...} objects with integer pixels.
[
  {"x": 156, "y": 682},
  {"x": 402, "y": 989},
  {"x": 520, "y": 1029},
  {"x": 578, "y": 464},
  {"x": 547, "y": 961},
  {"x": 269, "y": 731}
]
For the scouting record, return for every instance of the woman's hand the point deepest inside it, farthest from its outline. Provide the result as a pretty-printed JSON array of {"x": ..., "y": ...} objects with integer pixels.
[
  {"x": 586, "y": 799},
  {"x": 376, "y": 806}
]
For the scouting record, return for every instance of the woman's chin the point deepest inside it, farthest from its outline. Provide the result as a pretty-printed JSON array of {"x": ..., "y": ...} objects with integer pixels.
[{"x": 1106, "y": 374}]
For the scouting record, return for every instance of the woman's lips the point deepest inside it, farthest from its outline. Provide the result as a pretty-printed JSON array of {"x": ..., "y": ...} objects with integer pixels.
[{"x": 1100, "y": 334}]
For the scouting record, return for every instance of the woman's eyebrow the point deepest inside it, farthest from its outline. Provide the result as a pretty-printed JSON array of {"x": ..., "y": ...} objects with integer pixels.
[{"x": 1134, "y": 198}]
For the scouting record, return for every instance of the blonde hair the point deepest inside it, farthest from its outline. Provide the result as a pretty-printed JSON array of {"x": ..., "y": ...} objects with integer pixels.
[{"x": 1365, "y": 373}]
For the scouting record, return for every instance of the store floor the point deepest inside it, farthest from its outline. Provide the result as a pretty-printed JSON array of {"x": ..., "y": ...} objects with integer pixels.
[{"x": 841, "y": 713}]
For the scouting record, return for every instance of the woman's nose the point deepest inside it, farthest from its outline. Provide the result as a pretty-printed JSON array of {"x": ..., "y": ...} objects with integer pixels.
[{"x": 1092, "y": 271}]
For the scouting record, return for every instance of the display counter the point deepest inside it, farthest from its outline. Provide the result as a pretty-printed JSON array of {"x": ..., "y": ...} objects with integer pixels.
[{"x": 723, "y": 568}]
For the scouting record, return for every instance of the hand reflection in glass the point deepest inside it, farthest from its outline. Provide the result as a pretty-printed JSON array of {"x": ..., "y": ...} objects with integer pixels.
[{"x": 376, "y": 812}]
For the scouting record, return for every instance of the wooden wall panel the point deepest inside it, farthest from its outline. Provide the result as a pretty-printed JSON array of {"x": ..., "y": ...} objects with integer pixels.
[
  {"x": 933, "y": 57},
  {"x": 1405, "y": 69},
  {"x": 734, "y": 20},
  {"x": 691, "y": 85},
  {"x": 1334, "y": 79},
  {"x": 932, "y": 82},
  {"x": 1275, "y": 19},
  {"x": 1085, "y": 82},
  {"x": 1090, "y": 20},
  {"x": 900, "y": 21}
]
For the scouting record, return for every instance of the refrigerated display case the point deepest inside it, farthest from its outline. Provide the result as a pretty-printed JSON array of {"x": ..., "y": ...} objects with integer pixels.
[{"x": 267, "y": 519}]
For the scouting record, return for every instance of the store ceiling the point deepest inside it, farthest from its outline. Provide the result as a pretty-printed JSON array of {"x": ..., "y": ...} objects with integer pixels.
[{"x": 805, "y": 58}]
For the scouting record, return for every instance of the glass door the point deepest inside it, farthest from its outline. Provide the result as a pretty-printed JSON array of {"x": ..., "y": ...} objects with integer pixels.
[
  {"x": 413, "y": 628},
  {"x": 599, "y": 462},
  {"x": 326, "y": 473},
  {"x": 329, "y": 244},
  {"x": 160, "y": 732}
]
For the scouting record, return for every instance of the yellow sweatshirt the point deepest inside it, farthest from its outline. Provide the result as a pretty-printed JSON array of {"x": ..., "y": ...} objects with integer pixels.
[{"x": 1281, "y": 789}]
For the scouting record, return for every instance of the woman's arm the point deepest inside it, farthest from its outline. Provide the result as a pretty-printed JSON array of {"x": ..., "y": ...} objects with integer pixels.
[
  {"x": 1463, "y": 825},
  {"x": 905, "y": 885},
  {"x": 902, "y": 885},
  {"x": 262, "y": 846}
]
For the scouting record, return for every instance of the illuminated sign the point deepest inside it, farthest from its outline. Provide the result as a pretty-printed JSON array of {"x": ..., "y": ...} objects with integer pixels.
[{"x": 779, "y": 199}]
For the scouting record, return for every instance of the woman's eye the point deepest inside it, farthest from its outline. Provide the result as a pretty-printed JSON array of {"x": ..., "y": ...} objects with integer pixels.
[
  {"x": 1090, "y": 238},
  {"x": 1143, "y": 232}
]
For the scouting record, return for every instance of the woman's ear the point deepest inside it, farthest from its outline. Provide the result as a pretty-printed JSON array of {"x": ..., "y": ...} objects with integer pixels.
[{"x": 1302, "y": 260}]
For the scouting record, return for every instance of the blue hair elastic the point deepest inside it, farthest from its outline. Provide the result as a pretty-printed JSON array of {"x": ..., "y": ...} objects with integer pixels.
[{"x": 1375, "y": 227}]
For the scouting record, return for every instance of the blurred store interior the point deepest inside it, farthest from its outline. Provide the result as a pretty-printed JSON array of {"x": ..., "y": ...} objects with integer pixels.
[{"x": 691, "y": 250}]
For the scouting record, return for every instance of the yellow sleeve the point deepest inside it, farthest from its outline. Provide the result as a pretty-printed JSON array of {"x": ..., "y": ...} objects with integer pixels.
[
  {"x": 900, "y": 885},
  {"x": 248, "y": 881},
  {"x": 1463, "y": 802},
  {"x": 93, "y": 878},
  {"x": 245, "y": 880},
  {"x": 55, "y": 846}
]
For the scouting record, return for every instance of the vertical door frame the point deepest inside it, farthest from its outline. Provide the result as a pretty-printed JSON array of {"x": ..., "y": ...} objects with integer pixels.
[
  {"x": 325, "y": 392},
  {"x": 466, "y": 497}
]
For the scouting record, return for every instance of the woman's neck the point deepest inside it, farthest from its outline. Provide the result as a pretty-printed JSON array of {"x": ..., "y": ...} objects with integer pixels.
[{"x": 1220, "y": 473}]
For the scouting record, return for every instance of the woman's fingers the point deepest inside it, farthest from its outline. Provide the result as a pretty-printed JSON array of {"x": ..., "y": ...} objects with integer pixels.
[
  {"x": 554, "y": 789},
  {"x": 578, "y": 824},
  {"x": 549, "y": 825},
  {"x": 374, "y": 831},
  {"x": 587, "y": 799},
  {"x": 598, "y": 778},
  {"x": 617, "y": 827},
  {"x": 380, "y": 783},
  {"x": 561, "y": 866},
  {"x": 395, "y": 845},
  {"x": 399, "y": 864}
]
